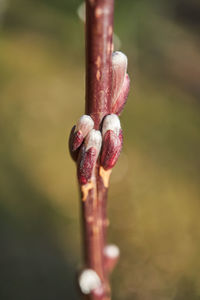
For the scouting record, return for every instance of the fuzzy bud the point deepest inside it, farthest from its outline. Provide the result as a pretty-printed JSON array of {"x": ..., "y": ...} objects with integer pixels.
[
  {"x": 93, "y": 139},
  {"x": 119, "y": 69},
  {"x": 111, "y": 255},
  {"x": 83, "y": 127},
  {"x": 112, "y": 141},
  {"x": 111, "y": 122},
  {"x": 89, "y": 281},
  {"x": 88, "y": 156},
  {"x": 120, "y": 81},
  {"x": 112, "y": 251}
]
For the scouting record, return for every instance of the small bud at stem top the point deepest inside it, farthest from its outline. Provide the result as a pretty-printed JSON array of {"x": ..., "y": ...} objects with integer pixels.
[
  {"x": 120, "y": 82},
  {"x": 119, "y": 69}
]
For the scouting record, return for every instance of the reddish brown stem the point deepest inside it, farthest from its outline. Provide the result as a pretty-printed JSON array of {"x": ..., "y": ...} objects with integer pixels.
[{"x": 99, "y": 29}]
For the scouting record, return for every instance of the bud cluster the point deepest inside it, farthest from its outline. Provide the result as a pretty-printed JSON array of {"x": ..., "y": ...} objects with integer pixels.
[{"x": 86, "y": 143}]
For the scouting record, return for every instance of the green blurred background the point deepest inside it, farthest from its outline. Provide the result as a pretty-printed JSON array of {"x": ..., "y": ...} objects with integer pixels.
[{"x": 154, "y": 199}]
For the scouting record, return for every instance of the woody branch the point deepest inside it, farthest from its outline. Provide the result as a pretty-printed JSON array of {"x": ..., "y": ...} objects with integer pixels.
[{"x": 95, "y": 144}]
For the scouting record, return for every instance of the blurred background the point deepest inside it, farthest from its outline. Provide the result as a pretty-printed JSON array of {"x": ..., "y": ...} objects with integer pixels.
[{"x": 154, "y": 199}]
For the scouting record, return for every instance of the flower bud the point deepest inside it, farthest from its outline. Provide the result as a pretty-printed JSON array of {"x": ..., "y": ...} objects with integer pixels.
[
  {"x": 83, "y": 127},
  {"x": 89, "y": 281},
  {"x": 88, "y": 156},
  {"x": 111, "y": 251},
  {"x": 111, "y": 256},
  {"x": 112, "y": 141},
  {"x": 119, "y": 69},
  {"x": 120, "y": 81}
]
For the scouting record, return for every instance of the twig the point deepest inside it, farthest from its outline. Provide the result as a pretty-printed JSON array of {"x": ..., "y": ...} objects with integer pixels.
[
  {"x": 99, "y": 29},
  {"x": 95, "y": 144}
]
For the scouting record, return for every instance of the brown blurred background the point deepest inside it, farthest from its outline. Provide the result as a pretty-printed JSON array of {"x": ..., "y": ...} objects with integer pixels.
[{"x": 154, "y": 199}]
